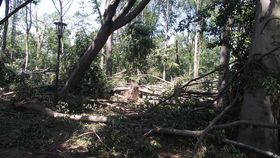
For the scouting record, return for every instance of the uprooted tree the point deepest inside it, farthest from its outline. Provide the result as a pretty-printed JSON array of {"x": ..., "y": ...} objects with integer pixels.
[{"x": 111, "y": 22}]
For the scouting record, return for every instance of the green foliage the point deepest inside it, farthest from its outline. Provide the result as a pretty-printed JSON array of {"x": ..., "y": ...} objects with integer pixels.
[
  {"x": 137, "y": 45},
  {"x": 271, "y": 84},
  {"x": 94, "y": 81},
  {"x": 7, "y": 76},
  {"x": 123, "y": 143}
]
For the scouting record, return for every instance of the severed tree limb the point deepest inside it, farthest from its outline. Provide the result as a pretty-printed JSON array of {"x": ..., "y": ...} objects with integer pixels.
[
  {"x": 212, "y": 123},
  {"x": 181, "y": 132},
  {"x": 83, "y": 117},
  {"x": 15, "y": 11},
  {"x": 54, "y": 114},
  {"x": 150, "y": 75}
]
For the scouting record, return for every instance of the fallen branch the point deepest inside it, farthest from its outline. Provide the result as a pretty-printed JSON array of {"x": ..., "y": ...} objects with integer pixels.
[
  {"x": 181, "y": 132},
  {"x": 155, "y": 77},
  {"x": 83, "y": 117},
  {"x": 54, "y": 114}
]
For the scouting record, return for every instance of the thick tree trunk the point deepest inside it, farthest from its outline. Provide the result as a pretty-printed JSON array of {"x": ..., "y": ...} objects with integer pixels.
[
  {"x": 257, "y": 104},
  {"x": 224, "y": 61},
  {"x": 197, "y": 43}
]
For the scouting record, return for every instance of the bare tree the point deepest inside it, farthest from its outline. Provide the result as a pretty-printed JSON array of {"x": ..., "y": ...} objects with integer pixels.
[{"x": 111, "y": 23}]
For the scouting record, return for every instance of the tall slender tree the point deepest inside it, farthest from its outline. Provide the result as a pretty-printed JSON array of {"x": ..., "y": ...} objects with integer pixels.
[
  {"x": 13, "y": 30},
  {"x": 197, "y": 41},
  {"x": 28, "y": 24},
  {"x": 5, "y": 31}
]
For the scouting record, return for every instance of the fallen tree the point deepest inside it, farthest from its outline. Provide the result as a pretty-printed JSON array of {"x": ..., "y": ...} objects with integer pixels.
[{"x": 82, "y": 117}]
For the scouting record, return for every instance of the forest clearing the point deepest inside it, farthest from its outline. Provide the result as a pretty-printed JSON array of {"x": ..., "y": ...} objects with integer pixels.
[{"x": 146, "y": 78}]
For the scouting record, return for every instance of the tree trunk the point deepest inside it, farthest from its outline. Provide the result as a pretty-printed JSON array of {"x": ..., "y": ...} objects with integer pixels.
[
  {"x": 166, "y": 29},
  {"x": 13, "y": 30},
  {"x": 5, "y": 31},
  {"x": 263, "y": 58},
  {"x": 28, "y": 22},
  {"x": 197, "y": 43},
  {"x": 224, "y": 61},
  {"x": 109, "y": 61}
]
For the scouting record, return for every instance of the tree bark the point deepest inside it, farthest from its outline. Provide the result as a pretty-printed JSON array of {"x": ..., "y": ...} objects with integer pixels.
[
  {"x": 110, "y": 25},
  {"x": 28, "y": 23},
  {"x": 109, "y": 60},
  {"x": 224, "y": 61},
  {"x": 257, "y": 104},
  {"x": 197, "y": 42},
  {"x": 13, "y": 30},
  {"x": 166, "y": 37}
]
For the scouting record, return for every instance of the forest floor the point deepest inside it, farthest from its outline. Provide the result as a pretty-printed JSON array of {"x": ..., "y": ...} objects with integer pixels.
[{"x": 26, "y": 133}]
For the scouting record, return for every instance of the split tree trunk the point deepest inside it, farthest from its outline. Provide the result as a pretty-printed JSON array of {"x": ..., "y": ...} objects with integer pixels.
[{"x": 263, "y": 58}]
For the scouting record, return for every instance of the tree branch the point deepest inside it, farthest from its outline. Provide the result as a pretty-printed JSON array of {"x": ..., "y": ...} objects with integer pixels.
[
  {"x": 126, "y": 19},
  {"x": 126, "y": 9},
  {"x": 111, "y": 11},
  {"x": 99, "y": 12},
  {"x": 16, "y": 10}
]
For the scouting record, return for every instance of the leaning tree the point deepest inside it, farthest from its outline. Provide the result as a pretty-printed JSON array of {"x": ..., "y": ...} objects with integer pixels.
[{"x": 111, "y": 22}]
